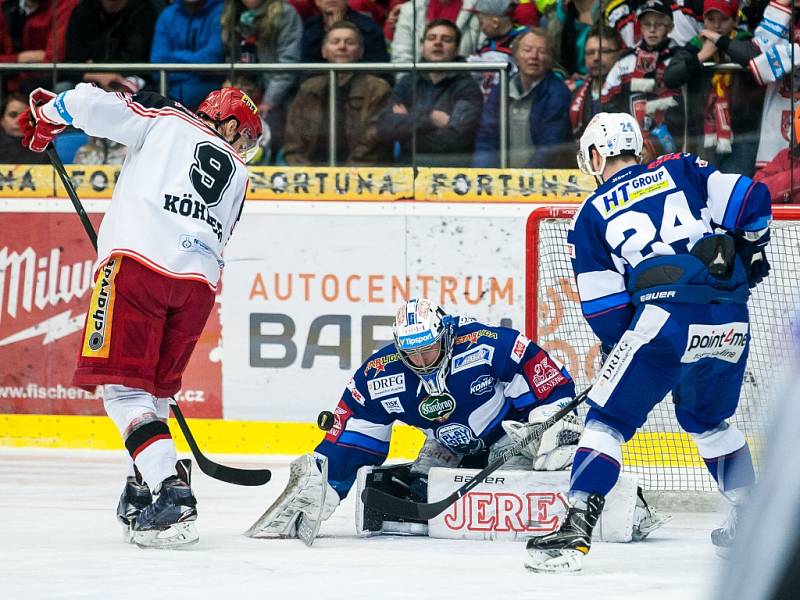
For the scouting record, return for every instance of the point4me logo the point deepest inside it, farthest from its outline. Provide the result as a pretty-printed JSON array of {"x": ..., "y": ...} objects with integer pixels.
[{"x": 725, "y": 342}]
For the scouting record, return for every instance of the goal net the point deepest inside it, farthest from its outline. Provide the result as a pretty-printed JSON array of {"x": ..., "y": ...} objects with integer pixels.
[{"x": 662, "y": 456}]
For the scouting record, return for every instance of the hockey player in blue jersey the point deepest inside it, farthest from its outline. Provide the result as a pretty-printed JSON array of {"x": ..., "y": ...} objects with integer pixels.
[
  {"x": 664, "y": 257},
  {"x": 467, "y": 385}
]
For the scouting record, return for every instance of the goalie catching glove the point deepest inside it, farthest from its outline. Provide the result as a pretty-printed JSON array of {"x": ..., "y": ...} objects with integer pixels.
[
  {"x": 37, "y": 130},
  {"x": 307, "y": 501},
  {"x": 554, "y": 450}
]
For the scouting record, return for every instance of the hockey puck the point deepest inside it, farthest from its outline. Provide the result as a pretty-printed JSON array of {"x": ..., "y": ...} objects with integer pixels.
[{"x": 325, "y": 420}]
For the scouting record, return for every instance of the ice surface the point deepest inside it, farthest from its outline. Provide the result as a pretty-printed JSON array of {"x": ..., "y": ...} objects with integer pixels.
[{"x": 59, "y": 539}]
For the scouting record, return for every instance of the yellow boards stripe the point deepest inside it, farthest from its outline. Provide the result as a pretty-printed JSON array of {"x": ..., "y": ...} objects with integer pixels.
[{"x": 646, "y": 449}]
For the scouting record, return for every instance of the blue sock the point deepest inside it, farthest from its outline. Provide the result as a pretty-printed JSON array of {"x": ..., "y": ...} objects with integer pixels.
[
  {"x": 732, "y": 471},
  {"x": 593, "y": 472}
]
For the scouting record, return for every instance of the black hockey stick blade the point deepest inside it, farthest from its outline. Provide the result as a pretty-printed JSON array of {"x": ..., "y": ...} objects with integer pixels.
[
  {"x": 386, "y": 503},
  {"x": 249, "y": 477}
]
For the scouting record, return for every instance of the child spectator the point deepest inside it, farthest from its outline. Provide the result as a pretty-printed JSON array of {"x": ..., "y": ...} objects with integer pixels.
[
  {"x": 33, "y": 31},
  {"x": 414, "y": 17},
  {"x": 724, "y": 107},
  {"x": 190, "y": 31},
  {"x": 333, "y": 11},
  {"x": 265, "y": 31},
  {"x": 359, "y": 96},
  {"x": 539, "y": 130},
  {"x": 12, "y": 152},
  {"x": 636, "y": 85},
  {"x": 773, "y": 68},
  {"x": 496, "y": 21},
  {"x": 438, "y": 110},
  {"x": 603, "y": 48},
  {"x": 109, "y": 31}
]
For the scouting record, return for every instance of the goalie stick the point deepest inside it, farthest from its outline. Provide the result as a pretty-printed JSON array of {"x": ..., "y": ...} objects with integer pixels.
[
  {"x": 386, "y": 503},
  {"x": 249, "y": 477}
]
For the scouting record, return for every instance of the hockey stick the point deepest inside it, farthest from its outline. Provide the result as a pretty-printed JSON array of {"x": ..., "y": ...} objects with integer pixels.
[
  {"x": 386, "y": 503},
  {"x": 250, "y": 477}
]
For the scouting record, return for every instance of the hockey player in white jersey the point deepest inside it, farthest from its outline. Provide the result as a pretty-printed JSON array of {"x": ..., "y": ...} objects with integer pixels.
[
  {"x": 178, "y": 197},
  {"x": 664, "y": 256}
]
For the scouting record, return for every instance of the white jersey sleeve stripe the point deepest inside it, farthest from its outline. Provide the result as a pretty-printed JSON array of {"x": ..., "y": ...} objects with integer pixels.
[
  {"x": 720, "y": 188},
  {"x": 598, "y": 284}
]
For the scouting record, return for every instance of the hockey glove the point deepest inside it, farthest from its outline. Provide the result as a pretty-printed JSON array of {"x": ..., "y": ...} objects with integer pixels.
[
  {"x": 556, "y": 448},
  {"x": 37, "y": 130},
  {"x": 750, "y": 247}
]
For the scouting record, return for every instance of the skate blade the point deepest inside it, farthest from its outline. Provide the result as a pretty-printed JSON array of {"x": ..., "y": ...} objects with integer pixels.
[
  {"x": 649, "y": 525},
  {"x": 175, "y": 536},
  {"x": 127, "y": 533},
  {"x": 554, "y": 561}
]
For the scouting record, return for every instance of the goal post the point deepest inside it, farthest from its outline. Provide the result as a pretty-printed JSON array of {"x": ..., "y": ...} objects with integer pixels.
[{"x": 661, "y": 454}]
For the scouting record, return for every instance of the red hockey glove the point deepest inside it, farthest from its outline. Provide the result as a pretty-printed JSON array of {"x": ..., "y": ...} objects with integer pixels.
[{"x": 37, "y": 130}]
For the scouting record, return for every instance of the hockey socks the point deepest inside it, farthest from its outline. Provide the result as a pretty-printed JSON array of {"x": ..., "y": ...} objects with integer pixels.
[
  {"x": 732, "y": 471},
  {"x": 593, "y": 472}
]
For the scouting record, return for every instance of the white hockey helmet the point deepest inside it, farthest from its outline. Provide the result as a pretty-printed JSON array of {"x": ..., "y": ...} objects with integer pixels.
[
  {"x": 611, "y": 134},
  {"x": 423, "y": 336}
]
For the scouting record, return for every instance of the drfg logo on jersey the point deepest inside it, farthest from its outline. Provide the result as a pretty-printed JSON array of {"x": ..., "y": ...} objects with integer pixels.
[
  {"x": 437, "y": 408},
  {"x": 101, "y": 312},
  {"x": 386, "y": 386},
  {"x": 725, "y": 342}
]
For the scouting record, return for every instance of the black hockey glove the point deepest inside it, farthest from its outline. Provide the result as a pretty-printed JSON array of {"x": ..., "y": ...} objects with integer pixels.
[{"x": 753, "y": 256}]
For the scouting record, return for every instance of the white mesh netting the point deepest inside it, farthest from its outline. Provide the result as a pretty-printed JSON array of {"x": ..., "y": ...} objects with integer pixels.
[{"x": 663, "y": 457}]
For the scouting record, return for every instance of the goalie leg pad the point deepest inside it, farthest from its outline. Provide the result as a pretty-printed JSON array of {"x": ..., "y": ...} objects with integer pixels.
[
  {"x": 399, "y": 481},
  {"x": 307, "y": 500}
]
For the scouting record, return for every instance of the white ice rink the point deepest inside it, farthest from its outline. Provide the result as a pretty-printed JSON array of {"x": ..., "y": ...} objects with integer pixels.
[{"x": 59, "y": 539}]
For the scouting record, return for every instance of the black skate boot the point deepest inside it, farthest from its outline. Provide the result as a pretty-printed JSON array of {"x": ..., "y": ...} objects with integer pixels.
[
  {"x": 170, "y": 520},
  {"x": 562, "y": 551},
  {"x": 135, "y": 497}
]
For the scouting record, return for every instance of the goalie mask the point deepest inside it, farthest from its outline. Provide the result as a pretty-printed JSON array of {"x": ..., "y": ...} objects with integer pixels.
[
  {"x": 610, "y": 134},
  {"x": 423, "y": 336}
]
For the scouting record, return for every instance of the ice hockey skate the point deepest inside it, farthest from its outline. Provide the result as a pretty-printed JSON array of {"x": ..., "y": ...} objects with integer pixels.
[
  {"x": 646, "y": 518},
  {"x": 135, "y": 497},
  {"x": 563, "y": 550},
  {"x": 169, "y": 522}
]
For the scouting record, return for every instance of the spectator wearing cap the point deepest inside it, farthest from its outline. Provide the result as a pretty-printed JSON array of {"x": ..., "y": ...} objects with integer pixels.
[
  {"x": 110, "y": 31},
  {"x": 415, "y": 15},
  {"x": 333, "y": 11},
  {"x": 636, "y": 84},
  {"x": 360, "y": 98},
  {"x": 190, "y": 31},
  {"x": 603, "y": 48},
  {"x": 724, "y": 107},
  {"x": 538, "y": 103},
  {"x": 496, "y": 21},
  {"x": 32, "y": 31},
  {"x": 434, "y": 115}
]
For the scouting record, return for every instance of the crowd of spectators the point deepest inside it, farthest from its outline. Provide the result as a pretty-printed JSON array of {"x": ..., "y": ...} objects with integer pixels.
[{"x": 567, "y": 60}]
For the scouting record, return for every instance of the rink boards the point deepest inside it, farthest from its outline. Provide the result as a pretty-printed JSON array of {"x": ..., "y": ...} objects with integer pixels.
[{"x": 307, "y": 293}]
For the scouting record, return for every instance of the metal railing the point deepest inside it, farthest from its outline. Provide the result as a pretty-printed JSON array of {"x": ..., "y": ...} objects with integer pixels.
[{"x": 331, "y": 68}]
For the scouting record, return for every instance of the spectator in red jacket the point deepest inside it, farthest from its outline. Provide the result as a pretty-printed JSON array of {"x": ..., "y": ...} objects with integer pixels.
[
  {"x": 782, "y": 175},
  {"x": 27, "y": 34}
]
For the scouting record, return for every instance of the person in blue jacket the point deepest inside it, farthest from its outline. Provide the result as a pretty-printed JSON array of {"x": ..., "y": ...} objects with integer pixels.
[
  {"x": 190, "y": 31},
  {"x": 539, "y": 127}
]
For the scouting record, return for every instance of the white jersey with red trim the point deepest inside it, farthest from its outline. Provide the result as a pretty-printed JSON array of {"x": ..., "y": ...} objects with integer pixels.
[{"x": 181, "y": 188}]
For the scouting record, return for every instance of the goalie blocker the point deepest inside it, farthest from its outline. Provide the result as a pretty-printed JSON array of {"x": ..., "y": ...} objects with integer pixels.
[{"x": 509, "y": 505}]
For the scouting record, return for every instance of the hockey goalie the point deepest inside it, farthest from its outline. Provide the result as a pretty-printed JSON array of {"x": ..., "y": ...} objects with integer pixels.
[{"x": 473, "y": 389}]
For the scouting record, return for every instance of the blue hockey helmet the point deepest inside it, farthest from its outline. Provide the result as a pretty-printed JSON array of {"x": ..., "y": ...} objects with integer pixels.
[{"x": 423, "y": 336}]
